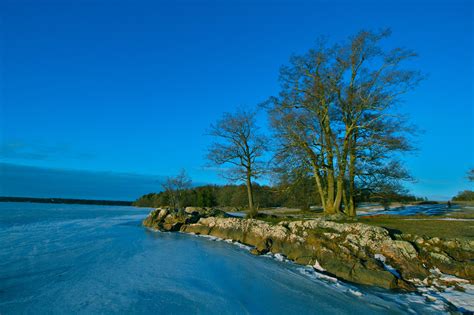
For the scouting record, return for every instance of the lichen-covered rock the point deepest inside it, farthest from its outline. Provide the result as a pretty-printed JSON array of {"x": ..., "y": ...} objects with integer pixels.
[
  {"x": 191, "y": 210},
  {"x": 172, "y": 220},
  {"x": 167, "y": 220},
  {"x": 454, "y": 256}
]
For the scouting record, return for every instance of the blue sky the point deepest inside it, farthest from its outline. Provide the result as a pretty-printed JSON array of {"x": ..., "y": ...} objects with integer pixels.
[{"x": 129, "y": 87}]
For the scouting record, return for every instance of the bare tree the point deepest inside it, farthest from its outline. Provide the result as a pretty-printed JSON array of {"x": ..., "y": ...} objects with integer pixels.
[
  {"x": 175, "y": 188},
  {"x": 336, "y": 110},
  {"x": 240, "y": 146}
]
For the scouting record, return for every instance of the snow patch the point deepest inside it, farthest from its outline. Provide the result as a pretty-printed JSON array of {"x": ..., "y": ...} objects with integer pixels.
[
  {"x": 279, "y": 257},
  {"x": 450, "y": 278},
  {"x": 387, "y": 267},
  {"x": 210, "y": 237},
  {"x": 464, "y": 301},
  {"x": 309, "y": 271},
  {"x": 228, "y": 241},
  {"x": 243, "y": 246},
  {"x": 317, "y": 266},
  {"x": 448, "y": 297},
  {"x": 355, "y": 292}
]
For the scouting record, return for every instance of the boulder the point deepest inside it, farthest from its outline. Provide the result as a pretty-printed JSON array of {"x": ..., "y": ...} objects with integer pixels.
[
  {"x": 454, "y": 256},
  {"x": 194, "y": 210},
  {"x": 173, "y": 220}
]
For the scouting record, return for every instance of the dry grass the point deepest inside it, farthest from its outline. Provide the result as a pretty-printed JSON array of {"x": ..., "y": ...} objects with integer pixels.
[
  {"x": 423, "y": 226},
  {"x": 431, "y": 226}
]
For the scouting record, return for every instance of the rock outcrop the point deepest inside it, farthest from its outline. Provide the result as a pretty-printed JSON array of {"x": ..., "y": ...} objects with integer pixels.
[
  {"x": 172, "y": 220},
  {"x": 353, "y": 252},
  {"x": 454, "y": 256}
]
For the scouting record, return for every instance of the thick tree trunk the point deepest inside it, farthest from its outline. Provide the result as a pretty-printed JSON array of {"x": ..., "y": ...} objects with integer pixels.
[
  {"x": 319, "y": 186},
  {"x": 330, "y": 194},
  {"x": 252, "y": 211},
  {"x": 351, "y": 192},
  {"x": 338, "y": 199},
  {"x": 330, "y": 176},
  {"x": 351, "y": 207},
  {"x": 345, "y": 200}
]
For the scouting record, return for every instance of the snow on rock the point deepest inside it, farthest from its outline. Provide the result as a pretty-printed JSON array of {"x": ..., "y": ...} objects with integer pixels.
[
  {"x": 387, "y": 267},
  {"x": 317, "y": 266}
]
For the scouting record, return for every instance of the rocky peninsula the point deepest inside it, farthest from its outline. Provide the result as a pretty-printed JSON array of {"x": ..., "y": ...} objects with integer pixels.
[{"x": 350, "y": 251}]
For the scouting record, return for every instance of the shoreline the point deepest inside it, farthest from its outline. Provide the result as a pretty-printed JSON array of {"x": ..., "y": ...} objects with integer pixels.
[
  {"x": 74, "y": 201},
  {"x": 440, "y": 300},
  {"x": 353, "y": 252}
]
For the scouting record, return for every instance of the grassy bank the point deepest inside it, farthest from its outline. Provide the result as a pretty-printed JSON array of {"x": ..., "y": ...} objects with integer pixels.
[
  {"x": 423, "y": 226},
  {"x": 456, "y": 224}
]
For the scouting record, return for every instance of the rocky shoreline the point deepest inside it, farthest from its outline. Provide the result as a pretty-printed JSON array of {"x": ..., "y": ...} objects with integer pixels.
[{"x": 350, "y": 251}]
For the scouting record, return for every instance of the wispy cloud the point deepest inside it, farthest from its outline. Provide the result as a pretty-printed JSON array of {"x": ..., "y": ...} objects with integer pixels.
[
  {"x": 32, "y": 181},
  {"x": 214, "y": 168},
  {"x": 37, "y": 151}
]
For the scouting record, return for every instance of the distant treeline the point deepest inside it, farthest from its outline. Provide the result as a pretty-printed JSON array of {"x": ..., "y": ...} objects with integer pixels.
[
  {"x": 466, "y": 195},
  {"x": 212, "y": 195},
  {"x": 298, "y": 195},
  {"x": 67, "y": 201}
]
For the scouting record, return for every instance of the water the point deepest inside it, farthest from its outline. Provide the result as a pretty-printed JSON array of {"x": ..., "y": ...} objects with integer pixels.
[
  {"x": 428, "y": 209},
  {"x": 85, "y": 259},
  {"x": 364, "y": 210}
]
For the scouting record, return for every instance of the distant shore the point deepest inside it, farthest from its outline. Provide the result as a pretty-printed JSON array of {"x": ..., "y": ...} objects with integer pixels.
[{"x": 67, "y": 201}]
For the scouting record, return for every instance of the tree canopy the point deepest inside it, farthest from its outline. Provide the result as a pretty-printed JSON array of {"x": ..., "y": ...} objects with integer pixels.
[
  {"x": 240, "y": 147},
  {"x": 336, "y": 116}
]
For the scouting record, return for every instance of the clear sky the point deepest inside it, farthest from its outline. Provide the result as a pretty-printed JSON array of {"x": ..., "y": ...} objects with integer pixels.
[{"x": 129, "y": 87}]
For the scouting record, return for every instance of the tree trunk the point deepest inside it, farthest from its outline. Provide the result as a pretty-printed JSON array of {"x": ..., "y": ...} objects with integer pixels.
[
  {"x": 338, "y": 199},
  {"x": 330, "y": 176},
  {"x": 319, "y": 187},
  {"x": 252, "y": 211},
  {"x": 352, "y": 161},
  {"x": 351, "y": 210},
  {"x": 345, "y": 199},
  {"x": 330, "y": 192}
]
